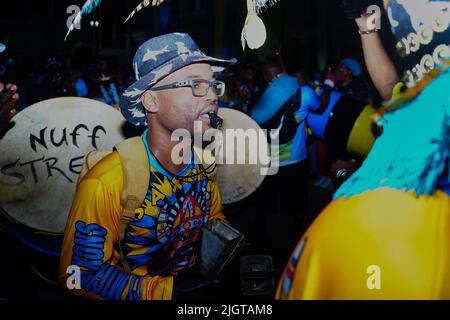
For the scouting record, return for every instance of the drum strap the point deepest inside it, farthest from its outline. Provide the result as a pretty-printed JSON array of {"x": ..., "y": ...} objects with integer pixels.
[
  {"x": 136, "y": 177},
  {"x": 285, "y": 121}
]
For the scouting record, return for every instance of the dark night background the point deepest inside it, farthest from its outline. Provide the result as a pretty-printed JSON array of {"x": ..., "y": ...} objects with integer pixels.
[{"x": 316, "y": 32}]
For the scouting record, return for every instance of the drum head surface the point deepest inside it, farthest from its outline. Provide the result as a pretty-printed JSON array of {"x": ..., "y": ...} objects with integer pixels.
[
  {"x": 238, "y": 181},
  {"x": 42, "y": 155}
]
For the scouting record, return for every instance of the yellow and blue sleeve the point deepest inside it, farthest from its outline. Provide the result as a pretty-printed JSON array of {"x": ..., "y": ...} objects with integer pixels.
[{"x": 90, "y": 243}]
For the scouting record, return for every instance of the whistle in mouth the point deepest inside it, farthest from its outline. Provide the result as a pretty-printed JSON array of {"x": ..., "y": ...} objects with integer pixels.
[{"x": 215, "y": 121}]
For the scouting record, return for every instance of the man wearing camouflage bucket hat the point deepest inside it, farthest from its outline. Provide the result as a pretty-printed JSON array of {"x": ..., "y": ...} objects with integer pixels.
[{"x": 175, "y": 87}]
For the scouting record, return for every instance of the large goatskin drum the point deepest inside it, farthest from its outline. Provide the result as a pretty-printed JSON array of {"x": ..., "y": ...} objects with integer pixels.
[
  {"x": 238, "y": 181},
  {"x": 40, "y": 159}
]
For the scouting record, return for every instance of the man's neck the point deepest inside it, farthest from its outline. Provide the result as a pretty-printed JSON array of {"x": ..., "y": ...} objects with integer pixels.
[{"x": 161, "y": 145}]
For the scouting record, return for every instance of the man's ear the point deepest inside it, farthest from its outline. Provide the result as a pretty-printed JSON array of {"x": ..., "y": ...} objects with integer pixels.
[{"x": 149, "y": 101}]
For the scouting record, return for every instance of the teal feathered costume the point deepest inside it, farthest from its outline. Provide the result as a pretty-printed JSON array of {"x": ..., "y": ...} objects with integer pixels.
[{"x": 413, "y": 152}]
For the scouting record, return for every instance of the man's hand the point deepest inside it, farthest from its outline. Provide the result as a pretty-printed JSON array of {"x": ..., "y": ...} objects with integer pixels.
[{"x": 8, "y": 99}]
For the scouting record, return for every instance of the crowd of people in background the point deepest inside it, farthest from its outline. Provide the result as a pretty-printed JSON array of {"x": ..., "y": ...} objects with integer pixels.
[
  {"x": 245, "y": 83},
  {"x": 105, "y": 79}
]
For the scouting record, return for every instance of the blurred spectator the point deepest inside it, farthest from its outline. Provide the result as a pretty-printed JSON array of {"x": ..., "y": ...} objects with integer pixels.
[
  {"x": 76, "y": 78},
  {"x": 282, "y": 109},
  {"x": 247, "y": 88},
  {"x": 105, "y": 91},
  {"x": 347, "y": 78},
  {"x": 54, "y": 82},
  {"x": 8, "y": 99},
  {"x": 117, "y": 73}
]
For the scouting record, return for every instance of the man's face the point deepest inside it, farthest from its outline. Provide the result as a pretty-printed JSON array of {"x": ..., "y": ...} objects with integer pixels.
[
  {"x": 347, "y": 74},
  {"x": 346, "y": 71},
  {"x": 179, "y": 108}
]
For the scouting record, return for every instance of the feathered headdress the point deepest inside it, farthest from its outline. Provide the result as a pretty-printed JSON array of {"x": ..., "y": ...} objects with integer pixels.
[
  {"x": 91, "y": 5},
  {"x": 262, "y": 5},
  {"x": 142, "y": 5}
]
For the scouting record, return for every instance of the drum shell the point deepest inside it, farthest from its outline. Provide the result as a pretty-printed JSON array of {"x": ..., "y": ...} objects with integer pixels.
[
  {"x": 45, "y": 243},
  {"x": 36, "y": 257},
  {"x": 54, "y": 135}
]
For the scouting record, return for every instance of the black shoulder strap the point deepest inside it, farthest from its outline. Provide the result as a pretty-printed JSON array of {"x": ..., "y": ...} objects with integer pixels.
[{"x": 292, "y": 104}]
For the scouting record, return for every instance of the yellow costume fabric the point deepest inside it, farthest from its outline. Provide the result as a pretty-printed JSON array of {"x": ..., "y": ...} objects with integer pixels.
[
  {"x": 160, "y": 242},
  {"x": 400, "y": 239}
]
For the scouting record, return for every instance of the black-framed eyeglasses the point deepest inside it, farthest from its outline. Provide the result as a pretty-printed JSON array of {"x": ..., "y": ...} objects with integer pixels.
[{"x": 200, "y": 87}]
